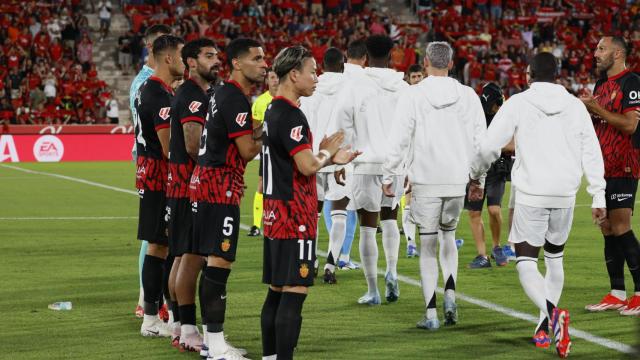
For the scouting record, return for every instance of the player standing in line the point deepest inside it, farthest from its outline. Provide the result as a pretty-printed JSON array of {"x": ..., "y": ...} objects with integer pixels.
[
  {"x": 365, "y": 112},
  {"x": 290, "y": 201},
  {"x": 415, "y": 74},
  {"x": 257, "y": 110},
  {"x": 612, "y": 106},
  {"x": 188, "y": 112},
  {"x": 230, "y": 139},
  {"x": 491, "y": 99},
  {"x": 356, "y": 60},
  {"x": 557, "y": 145},
  {"x": 147, "y": 70},
  {"x": 153, "y": 111},
  {"x": 317, "y": 110}
]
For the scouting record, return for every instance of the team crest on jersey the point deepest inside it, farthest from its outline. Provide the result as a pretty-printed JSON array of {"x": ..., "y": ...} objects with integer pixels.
[
  {"x": 164, "y": 113},
  {"x": 304, "y": 271},
  {"x": 194, "y": 106},
  {"x": 226, "y": 245},
  {"x": 296, "y": 133},
  {"x": 241, "y": 118}
]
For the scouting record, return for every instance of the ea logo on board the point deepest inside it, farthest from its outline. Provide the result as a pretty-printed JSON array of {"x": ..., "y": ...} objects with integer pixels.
[{"x": 48, "y": 148}]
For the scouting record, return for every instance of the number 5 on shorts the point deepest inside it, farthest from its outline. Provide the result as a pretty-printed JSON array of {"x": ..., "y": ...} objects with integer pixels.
[
  {"x": 227, "y": 226},
  {"x": 309, "y": 246}
]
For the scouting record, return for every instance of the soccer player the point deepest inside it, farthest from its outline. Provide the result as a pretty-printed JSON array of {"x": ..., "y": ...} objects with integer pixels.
[
  {"x": 364, "y": 111},
  {"x": 438, "y": 125},
  {"x": 557, "y": 145},
  {"x": 615, "y": 97},
  {"x": 491, "y": 99},
  {"x": 290, "y": 201},
  {"x": 147, "y": 70},
  {"x": 153, "y": 111},
  {"x": 257, "y": 110},
  {"x": 230, "y": 139},
  {"x": 188, "y": 112},
  {"x": 415, "y": 74},
  {"x": 317, "y": 110}
]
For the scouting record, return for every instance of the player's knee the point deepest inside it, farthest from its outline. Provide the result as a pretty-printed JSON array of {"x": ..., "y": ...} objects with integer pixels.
[
  {"x": 495, "y": 212},
  {"x": 620, "y": 228},
  {"x": 216, "y": 261},
  {"x": 552, "y": 248},
  {"x": 157, "y": 250},
  {"x": 386, "y": 213}
]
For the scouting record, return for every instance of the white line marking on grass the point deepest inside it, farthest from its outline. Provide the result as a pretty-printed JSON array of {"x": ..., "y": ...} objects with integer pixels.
[
  {"x": 611, "y": 344},
  {"x": 69, "y": 218}
]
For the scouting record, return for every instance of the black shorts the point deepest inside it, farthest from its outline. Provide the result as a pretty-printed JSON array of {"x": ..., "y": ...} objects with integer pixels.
[
  {"x": 288, "y": 262},
  {"x": 493, "y": 192},
  {"x": 152, "y": 217},
  {"x": 215, "y": 229},
  {"x": 180, "y": 226},
  {"x": 620, "y": 193}
]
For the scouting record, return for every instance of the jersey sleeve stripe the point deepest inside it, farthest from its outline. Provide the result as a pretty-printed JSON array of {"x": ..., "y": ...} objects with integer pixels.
[
  {"x": 162, "y": 126},
  {"x": 240, "y": 133},
  {"x": 299, "y": 148},
  {"x": 630, "y": 109},
  {"x": 192, "y": 118}
]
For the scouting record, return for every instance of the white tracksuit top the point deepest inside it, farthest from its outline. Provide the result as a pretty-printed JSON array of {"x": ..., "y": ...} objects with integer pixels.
[
  {"x": 555, "y": 145},
  {"x": 365, "y": 112},
  {"x": 438, "y": 126},
  {"x": 318, "y": 109}
]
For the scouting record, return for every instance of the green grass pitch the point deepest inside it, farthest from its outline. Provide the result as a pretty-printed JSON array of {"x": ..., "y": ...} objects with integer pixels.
[{"x": 65, "y": 240}]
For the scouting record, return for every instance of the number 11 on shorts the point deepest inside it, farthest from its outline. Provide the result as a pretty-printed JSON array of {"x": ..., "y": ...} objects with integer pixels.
[{"x": 309, "y": 249}]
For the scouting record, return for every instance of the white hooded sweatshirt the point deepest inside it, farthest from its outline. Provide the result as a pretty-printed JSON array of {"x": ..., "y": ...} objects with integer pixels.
[
  {"x": 318, "y": 109},
  {"x": 365, "y": 112},
  {"x": 438, "y": 126},
  {"x": 555, "y": 145}
]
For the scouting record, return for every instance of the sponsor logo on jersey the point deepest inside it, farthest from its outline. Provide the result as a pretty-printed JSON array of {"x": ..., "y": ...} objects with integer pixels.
[
  {"x": 226, "y": 245},
  {"x": 296, "y": 133},
  {"x": 194, "y": 106},
  {"x": 241, "y": 118},
  {"x": 304, "y": 271},
  {"x": 164, "y": 113}
]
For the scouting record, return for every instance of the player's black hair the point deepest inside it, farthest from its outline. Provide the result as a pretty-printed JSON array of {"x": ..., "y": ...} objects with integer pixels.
[
  {"x": 239, "y": 47},
  {"x": 156, "y": 29},
  {"x": 622, "y": 43},
  {"x": 333, "y": 60},
  {"x": 164, "y": 43},
  {"x": 192, "y": 48},
  {"x": 543, "y": 67},
  {"x": 357, "y": 49},
  {"x": 379, "y": 46},
  {"x": 414, "y": 68},
  {"x": 290, "y": 58}
]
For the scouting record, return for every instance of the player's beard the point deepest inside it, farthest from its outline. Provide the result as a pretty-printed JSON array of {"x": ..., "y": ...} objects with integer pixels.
[
  {"x": 210, "y": 75},
  {"x": 605, "y": 64}
]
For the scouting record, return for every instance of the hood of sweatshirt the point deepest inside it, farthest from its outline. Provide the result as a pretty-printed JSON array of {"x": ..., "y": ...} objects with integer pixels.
[
  {"x": 387, "y": 79},
  {"x": 549, "y": 98},
  {"x": 329, "y": 83},
  {"x": 440, "y": 91},
  {"x": 352, "y": 69}
]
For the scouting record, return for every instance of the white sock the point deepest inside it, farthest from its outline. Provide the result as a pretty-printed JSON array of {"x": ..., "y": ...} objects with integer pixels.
[
  {"x": 408, "y": 226},
  {"x": 620, "y": 294},
  {"x": 391, "y": 245},
  {"x": 141, "y": 297},
  {"x": 187, "y": 329},
  {"x": 344, "y": 257},
  {"x": 369, "y": 257},
  {"x": 336, "y": 236},
  {"x": 429, "y": 270},
  {"x": 317, "y": 233},
  {"x": 150, "y": 318},
  {"x": 270, "y": 357},
  {"x": 171, "y": 319},
  {"x": 449, "y": 261},
  {"x": 532, "y": 282},
  {"x": 553, "y": 279},
  {"x": 216, "y": 343},
  {"x": 204, "y": 334}
]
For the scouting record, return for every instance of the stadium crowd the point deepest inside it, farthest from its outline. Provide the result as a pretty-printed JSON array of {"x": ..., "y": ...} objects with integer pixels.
[{"x": 47, "y": 73}]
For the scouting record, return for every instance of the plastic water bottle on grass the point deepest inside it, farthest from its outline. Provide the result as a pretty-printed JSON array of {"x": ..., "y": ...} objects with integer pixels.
[{"x": 62, "y": 305}]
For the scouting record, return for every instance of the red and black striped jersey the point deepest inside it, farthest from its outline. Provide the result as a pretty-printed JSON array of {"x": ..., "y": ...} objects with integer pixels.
[
  {"x": 618, "y": 94},
  {"x": 188, "y": 105},
  {"x": 290, "y": 198},
  {"x": 153, "y": 112},
  {"x": 219, "y": 175}
]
